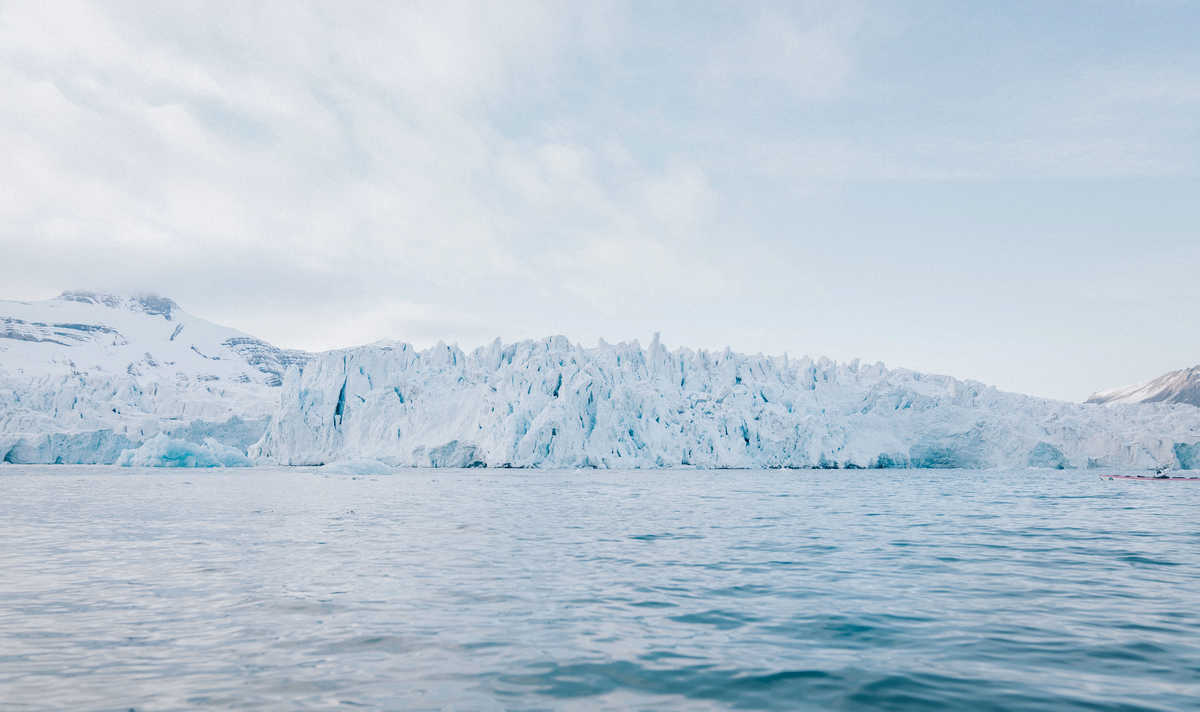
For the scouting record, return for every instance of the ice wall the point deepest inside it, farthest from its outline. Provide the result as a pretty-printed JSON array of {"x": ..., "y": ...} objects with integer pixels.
[{"x": 553, "y": 403}]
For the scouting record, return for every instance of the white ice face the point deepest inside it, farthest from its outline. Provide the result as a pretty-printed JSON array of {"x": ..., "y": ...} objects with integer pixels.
[
  {"x": 553, "y": 403},
  {"x": 95, "y": 378}
]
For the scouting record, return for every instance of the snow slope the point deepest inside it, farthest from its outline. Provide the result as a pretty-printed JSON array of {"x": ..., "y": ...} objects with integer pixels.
[
  {"x": 554, "y": 403},
  {"x": 1181, "y": 386},
  {"x": 86, "y": 376}
]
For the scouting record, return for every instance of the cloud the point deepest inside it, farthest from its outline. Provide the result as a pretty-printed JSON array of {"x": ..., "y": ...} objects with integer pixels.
[
  {"x": 346, "y": 159},
  {"x": 804, "y": 50},
  {"x": 327, "y": 173}
]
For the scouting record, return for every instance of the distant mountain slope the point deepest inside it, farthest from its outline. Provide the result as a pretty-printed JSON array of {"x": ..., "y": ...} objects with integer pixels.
[
  {"x": 85, "y": 376},
  {"x": 551, "y": 403},
  {"x": 1182, "y": 386}
]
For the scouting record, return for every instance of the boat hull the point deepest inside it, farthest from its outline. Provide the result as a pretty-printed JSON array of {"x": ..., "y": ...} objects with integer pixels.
[{"x": 1152, "y": 477}]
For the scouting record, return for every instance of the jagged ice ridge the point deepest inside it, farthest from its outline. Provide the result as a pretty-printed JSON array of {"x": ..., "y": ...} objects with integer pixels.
[
  {"x": 100, "y": 378},
  {"x": 551, "y": 403}
]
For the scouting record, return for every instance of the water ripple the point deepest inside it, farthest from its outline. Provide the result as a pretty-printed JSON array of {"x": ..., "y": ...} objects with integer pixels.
[{"x": 289, "y": 589}]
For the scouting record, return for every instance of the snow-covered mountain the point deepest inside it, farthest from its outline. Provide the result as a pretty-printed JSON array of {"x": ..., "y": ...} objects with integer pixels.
[
  {"x": 86, "y": 376},
  {"x": 1182, "y": 386},
  {"x": 554, "y": 403}
]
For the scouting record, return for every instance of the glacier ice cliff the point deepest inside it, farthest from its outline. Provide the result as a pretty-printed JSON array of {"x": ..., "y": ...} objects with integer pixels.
[
  {"x": 100, "y": 378},
  {"x": 551, "y": 403}
]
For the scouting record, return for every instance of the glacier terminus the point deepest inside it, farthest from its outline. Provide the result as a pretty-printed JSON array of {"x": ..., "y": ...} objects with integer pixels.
[{"x": 99, "y": 378}]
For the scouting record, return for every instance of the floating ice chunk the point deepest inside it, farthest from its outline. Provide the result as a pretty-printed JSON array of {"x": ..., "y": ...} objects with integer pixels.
[
  {"x": 163, "y": 451},
  {"x": 357, "y": 466}
]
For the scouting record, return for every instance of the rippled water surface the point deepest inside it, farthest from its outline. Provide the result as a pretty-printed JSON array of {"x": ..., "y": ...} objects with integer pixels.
[{"x": 485, "y": 589}]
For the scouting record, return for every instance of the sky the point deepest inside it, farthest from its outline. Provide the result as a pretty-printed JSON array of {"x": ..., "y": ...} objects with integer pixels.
[{"x": 1006, "y": 192}]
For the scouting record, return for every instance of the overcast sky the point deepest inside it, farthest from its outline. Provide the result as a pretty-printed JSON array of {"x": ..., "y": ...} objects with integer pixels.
[{"x": 1008, "y": 192}]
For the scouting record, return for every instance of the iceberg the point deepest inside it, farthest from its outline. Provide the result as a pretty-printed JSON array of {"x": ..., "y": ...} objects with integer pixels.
[
  {"x": 163, "y": 451},
  {"x": 357, "y": 466},
  {"x": 552, "y": 403}
]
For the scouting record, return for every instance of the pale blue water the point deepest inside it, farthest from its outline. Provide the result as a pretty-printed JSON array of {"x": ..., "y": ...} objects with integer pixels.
[{"x": 483, "y": 589}]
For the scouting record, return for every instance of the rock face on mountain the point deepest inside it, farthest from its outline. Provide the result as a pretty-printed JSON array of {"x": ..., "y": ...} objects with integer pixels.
[
  {"x": 551, "y": 403},
  {"x": 87, "y": 376},
  {"x": 1182, "y": 386}
]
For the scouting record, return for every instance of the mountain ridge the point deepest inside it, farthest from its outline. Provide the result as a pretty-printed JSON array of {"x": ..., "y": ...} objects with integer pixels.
[{"x": 1181, "y": 386}]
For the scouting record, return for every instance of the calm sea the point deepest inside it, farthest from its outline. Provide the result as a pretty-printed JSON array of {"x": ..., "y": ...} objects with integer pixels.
[{"x": 482, "y": 589}]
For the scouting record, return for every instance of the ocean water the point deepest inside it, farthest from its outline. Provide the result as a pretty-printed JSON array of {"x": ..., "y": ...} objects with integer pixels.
[{"x": 482, "y": 589}]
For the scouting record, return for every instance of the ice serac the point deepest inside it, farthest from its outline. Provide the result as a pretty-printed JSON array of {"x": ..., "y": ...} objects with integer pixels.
[
  {"x": 1182, "y": 386},
  {"x": 551, "y": 403},
  {"x": 87, "y": 377}
]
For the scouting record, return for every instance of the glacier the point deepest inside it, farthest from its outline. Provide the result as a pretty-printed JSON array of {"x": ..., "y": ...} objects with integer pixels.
[
  {"x": 87, "y": 376},
  {"x": 97, "y": 378},
  {"x": 552, "y": 403}
]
